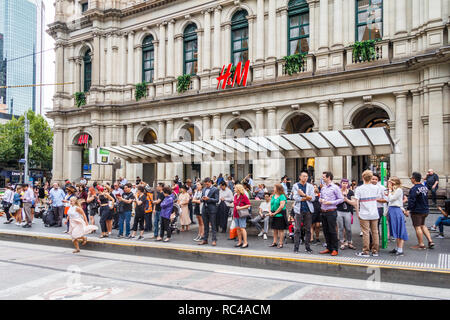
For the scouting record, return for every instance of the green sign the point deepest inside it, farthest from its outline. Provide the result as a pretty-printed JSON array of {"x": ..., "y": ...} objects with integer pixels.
[
  {"x": 383, "y": 174},
  {"x": 384, "y": 179}
]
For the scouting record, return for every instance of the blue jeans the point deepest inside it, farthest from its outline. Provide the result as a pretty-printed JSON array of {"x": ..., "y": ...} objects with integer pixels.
[
  {"x": 441, "y": 222},
  {"x": 156, "y": 223},
  {"x": 124, "y": 217}
]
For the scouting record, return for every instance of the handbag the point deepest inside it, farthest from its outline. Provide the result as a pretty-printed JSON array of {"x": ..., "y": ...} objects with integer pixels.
[{"x": 243, "y": 213}]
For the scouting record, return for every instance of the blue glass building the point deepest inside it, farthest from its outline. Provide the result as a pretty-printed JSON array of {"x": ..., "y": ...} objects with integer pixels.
[{"x": 21, "y": 26}]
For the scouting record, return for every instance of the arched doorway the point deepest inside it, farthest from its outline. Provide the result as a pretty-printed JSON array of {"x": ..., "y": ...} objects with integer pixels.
[
  {"x": 80, "y": 164},
  {"x": 189, "y": 133},
  {"x": 149, "y": 169},
  {"x": 369, "y": 117},
  {"x": 298, "y": 123},
  {"x": 242, "y": 164}
]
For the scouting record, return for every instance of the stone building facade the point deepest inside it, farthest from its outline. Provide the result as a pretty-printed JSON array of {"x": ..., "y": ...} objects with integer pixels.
[{"x": 106, "y": 47}]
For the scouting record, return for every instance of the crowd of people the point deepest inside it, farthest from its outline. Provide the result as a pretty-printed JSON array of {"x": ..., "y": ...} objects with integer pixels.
[{"x": 330, "y": 207}]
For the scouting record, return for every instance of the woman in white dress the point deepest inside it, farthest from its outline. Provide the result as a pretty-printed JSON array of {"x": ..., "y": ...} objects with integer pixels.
[{"x": 78, "y": 226}]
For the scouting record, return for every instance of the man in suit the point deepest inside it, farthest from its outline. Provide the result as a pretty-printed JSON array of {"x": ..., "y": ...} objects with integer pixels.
[{"x": 210, "y": 199}]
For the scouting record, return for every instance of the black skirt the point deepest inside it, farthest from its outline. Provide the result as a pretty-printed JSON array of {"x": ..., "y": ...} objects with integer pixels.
[{"x": 279, "y": 223}]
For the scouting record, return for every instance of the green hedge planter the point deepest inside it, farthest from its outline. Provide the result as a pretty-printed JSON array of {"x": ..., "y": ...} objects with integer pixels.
[
  {"x": 294, "y": 63},
  {"x": 364, "y": 51},
  {"x": 184, "y": 82},
  {"x": 80, "y": 99},
  {"x": 141, "y": 91}
]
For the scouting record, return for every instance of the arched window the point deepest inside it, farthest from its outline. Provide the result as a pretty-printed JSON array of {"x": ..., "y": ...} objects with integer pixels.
[
  {"x": 87, "y": 70},
  {"x": 298, "y": 27},
  {"x": 148, "y": 60},
  {"x": 239, "y": 37},
  {"x": 190, "y": 51},
  {"x": 369, "y": 19}
]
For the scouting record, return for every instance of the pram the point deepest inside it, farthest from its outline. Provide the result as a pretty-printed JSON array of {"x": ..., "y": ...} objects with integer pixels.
[{"x": 173, "y": 225}]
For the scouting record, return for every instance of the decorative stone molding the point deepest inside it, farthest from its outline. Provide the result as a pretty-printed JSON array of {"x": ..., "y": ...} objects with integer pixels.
[
  {"x": 295, "y": 107},
  {"x": 236, "y": 114},
  {"x": 367, "y": 100}
]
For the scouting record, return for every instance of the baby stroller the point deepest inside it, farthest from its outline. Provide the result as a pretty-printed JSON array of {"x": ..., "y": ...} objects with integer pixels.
[
  {"x": 291, "y": 227},
  {"x": 173, "y": 225}
]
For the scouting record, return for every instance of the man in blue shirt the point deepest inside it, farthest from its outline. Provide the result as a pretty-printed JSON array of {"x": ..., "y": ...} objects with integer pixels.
[
  {"x": 56, "y": 197},
  {"x": 418, "y": 208}
]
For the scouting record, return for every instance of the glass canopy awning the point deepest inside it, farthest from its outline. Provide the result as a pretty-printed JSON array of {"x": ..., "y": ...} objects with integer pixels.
[{"x": 355, "y": 142}]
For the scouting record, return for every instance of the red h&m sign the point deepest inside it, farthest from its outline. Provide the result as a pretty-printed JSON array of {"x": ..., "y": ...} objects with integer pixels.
[
  {"x": 83, "y": 139},
  {"x": 240, "y": 76}
]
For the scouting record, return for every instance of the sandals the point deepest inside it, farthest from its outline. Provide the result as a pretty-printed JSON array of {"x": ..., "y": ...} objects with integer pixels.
[
  {"x": 84, "y": 242},
  {"x": 431, "y": 245},
  {"x": 244, "y": 246},
  {"x": 351, "y": 246},
  {"x": 280, "y": 246},
  {"x": 273, "y": 245},
  {"x": 342, "y": 247},
  {"x": 238, "y": 245},
  {"x": 417, "y": 247},
  {"x": 76, "y": 251}
]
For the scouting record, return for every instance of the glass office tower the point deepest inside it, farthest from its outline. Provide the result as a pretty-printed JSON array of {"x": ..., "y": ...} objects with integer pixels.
[{"x": 22, "y": 26}]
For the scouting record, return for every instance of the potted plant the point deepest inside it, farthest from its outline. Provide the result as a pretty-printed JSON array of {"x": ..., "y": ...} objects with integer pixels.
[
  {"x": 183, "y": 83},
  {"x": 294, "y": 63},
  {"x": 80, "y": 99},
  {"x": 141, "y": 91}
]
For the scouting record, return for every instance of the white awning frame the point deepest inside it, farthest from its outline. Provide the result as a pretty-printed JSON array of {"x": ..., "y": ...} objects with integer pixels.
[{"x": 355, "y": 142}]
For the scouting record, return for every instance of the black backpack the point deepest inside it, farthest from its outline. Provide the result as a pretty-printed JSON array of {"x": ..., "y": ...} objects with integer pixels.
[{"x": 48, "y": 218}]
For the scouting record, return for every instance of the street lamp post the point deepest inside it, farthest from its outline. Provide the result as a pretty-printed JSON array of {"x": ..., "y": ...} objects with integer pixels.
[{"x": 27, "y": 133}]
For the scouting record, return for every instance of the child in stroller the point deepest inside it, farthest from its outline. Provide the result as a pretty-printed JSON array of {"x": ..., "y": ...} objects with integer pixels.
[
  {"x": 291, "y": 226},
  {"x": 174, "y": 219}
]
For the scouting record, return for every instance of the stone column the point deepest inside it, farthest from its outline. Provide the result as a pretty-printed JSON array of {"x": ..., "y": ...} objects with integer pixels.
[
  {"x": 207, "y": 41},
  {"x": 227, "y": 47},
  {"x": 156, "y": 59},
  {"x": 259, "y": 166},
  {"x": 272, "y": 30},
  {"x": 78, "y": 62},
  {"x": 434, "y": 12},
  {"x": 217, "y": 166},
  {"x": 115, "y": 60},
  {"x": 416, "y": 123},
  {"x": 170, "y": 167},
  {"x": 322, "y": 164},
  {"x": 109, "y": 60},
  {"x": 323, "y": 39},
  {"x": 312, "y": 26},
  {"x": 58, "y": 154},
  {"x": 283, "y": 31},
  {"x": 338, "y": 124},
  {"x": 170, "y": 49},
  {"x": 401, "y": 130},
  {"x": 138, "y": 63},
  {"x": 206, "y": 165},
  {"x": 179, "y": 53},
  {"x": 260, "y": 31},
  {"x": 95, "y": 79},
  {"x": 217, "y": 37},
  {"x": 162, "y": 51},
  {"x": 251, "y": 28},
  {"x": 130, "y": 76},
  {"x": 161, "y": 167},
  {"x": 337, "y": 24},
  {"x": 200, "y": 59},
  {"x": 415, "y": 14},
  {"x": 59, "y": 67},
  {"x": 400, "y": 17},
  {"x": 436, "y": 129},
  {"x": 130, "y": 166},
  {"x": 273, "y": 168}
]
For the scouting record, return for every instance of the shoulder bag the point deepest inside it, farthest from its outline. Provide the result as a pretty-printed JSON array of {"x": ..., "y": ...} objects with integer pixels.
[{"x": 243, "y": 213}]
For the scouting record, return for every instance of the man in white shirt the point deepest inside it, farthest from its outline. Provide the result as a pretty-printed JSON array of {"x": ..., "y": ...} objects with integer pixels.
[
  {"x": 27, "y": 200},
  {"x": 8, "y": 198},
  {"x": 263, "y": 214},
  {"x": 225, "y": 202},
  {"x": 366, "y": 207}
]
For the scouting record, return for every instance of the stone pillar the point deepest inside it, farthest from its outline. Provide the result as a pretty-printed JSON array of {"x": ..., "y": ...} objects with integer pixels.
[
  {"x": 323, "y": 39},
  {"x": 130, "y": 166},
  {"x": 272, "y": 30},
  {"x": 156, "y": 59},
  {"x": 207, "y": 42},
  {"x": 322, "y": 164},
  {"x": 415, "y": 15},
  {"x": 400, "y": 17},
  {"x": 109, "y": 60},
  {"x": 161, "y": 167},
  {"x": 338, "y": 124},
  {"x": 401, "y": 130},
  {"x": 312, "y": 26},
  {"x": 260, "y": 164},
  {"x": 59, "y": 67},
  {"x": 179, "y": 52},
  {"x": 206, "y": 165},
  {"x": 138, "y": 63},
  {"x": 416, "y": 124},
  {"x": 200, "y": 59},
  {"x": 217, "y": 166},
  {"x": 58, "y": 150},
  {"x": 217, "y": 38},
  {"x": 337, "y": 24},
  {"x": 162, "y": 51},
  {"x": 170, "y": 49},
  {"x": 273, "y": 168},
  {"x": 78, "y": 62},
  {"x": 227, "y": 49},
  {"x": 283, "y": 32},
  {"x": 436, "y": 130},
  {"x": 260, "y": 31},
  {"x": 169, "y": 138},
  {"x": 251, "y": 32},
  {"x": 434, "y": 12},
  {"x": 130, "y": 76},
  {"x": 103, "y": 46},
  {"x": 95, "y": 79}
]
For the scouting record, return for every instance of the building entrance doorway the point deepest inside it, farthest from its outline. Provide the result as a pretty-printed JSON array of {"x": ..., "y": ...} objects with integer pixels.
[
  {"x": 370, "y": 117},
  {"x": 298, "y": 123},
  {"x": 149, "y": 169},
  {"x": 241, "y": 166},
  {"x": 80, "y": 166}
]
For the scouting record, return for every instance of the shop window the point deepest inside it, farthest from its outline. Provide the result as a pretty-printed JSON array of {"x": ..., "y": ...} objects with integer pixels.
[{"x": 87, "y": 70}]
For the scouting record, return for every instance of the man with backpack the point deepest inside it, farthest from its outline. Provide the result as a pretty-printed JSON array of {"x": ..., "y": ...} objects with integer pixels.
[{"x": 303, "y": 194}]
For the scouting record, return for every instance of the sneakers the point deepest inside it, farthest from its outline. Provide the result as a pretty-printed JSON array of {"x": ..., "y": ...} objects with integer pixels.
[
  {"x": 260, "y": 234},
  {"x": 394, "y": 251},
  {"x": 140, "y": 238},
  {"x": 440, "y": 236},
  {"x": 433, "y": 229},
  {"x": 308, "y": 250},
  {"x": 361, "y": 234},
  {"x": 119, "y": 236},
  {"x": 363, "y": 254},
  {"x": 198, "y": 238},
  {"x": 375, "y": 254},
  {"x": 265, "y": 236},
  {"x": 296, "y": 250},
  {"x": 399, "y": 254},
  {"x": 131, "y": 237}
]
